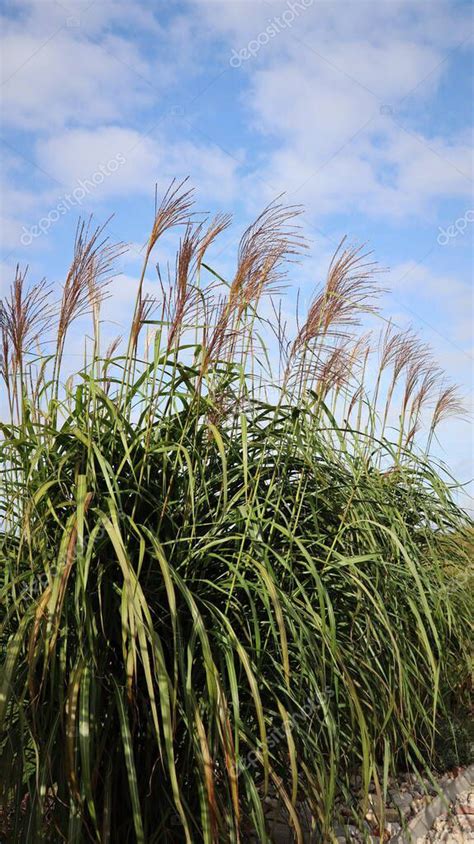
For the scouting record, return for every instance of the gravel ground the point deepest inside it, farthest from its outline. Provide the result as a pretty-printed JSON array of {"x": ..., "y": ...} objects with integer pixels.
[
  {"x": 407, "y": 797},
  {"x": 456, "y": 825}
]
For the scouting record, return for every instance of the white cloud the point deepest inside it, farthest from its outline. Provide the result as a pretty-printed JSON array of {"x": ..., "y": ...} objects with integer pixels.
[
  {"x": 435, "y": 24},
  {"x": 328, "y": 93},
  {"x": 445, "y": 301},
  {"x": 41, "y": 16},
  {"x": 90, "y": 167},
  {"x": 335, "y": 139},
  {"x": 77, "y": 154},
  {"x": 67, "y": 79}
]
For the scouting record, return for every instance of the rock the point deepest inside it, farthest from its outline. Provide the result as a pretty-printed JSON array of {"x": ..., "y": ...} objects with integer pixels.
[
  {"x": 464, "y": 809},
  {"x": 402, "y": 800}
]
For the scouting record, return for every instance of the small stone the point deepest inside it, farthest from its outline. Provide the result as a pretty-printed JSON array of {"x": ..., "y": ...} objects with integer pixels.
[
  {"x": 464, "y": 809},
  {"x": 402, "y": 801}
]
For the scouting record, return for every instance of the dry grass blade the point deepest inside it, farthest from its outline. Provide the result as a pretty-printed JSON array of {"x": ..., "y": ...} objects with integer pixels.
[
  {"x": 349, "y": 291},
  {"x": 144, "y": 309},
  {"x": 112, "y": 347},
  {"x": 218, "y": 224},
  {"x": 264, "y": 251},
  {"x": 337, "y": 368},
  {"x": 430, "y": 379},
  {"x": 182, "y": 295},
  {"x": 449, "y": 403},
  {"x": 419, "y": 363},
  {"x": 23, "y": 314},
  {"x": 172, "y": 211},
  {"x": 89, "y": 276}
]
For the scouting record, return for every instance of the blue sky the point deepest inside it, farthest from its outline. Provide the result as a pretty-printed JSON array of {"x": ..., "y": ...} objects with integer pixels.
[{"x": 361, "y": 111}]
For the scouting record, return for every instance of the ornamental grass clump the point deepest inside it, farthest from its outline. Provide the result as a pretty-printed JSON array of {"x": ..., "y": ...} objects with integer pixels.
[{"x": 220, "y": 585}]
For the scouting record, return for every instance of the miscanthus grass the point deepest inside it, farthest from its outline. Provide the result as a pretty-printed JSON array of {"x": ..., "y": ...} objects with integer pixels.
[{"x": 220, "y": 584}]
